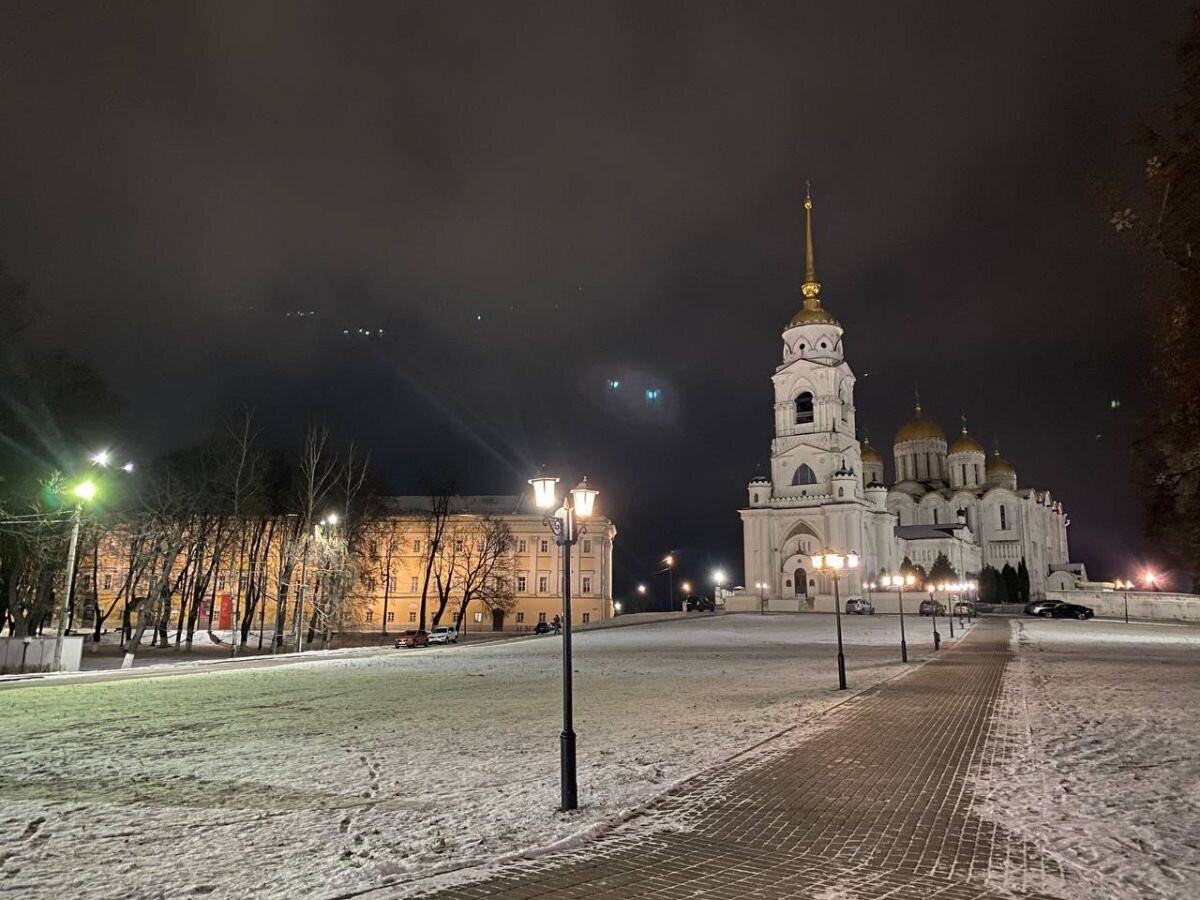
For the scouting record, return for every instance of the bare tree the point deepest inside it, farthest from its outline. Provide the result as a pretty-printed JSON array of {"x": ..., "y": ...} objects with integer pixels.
[
  {"x": 437, "y": 517},
  {"x": 487, "y": 567}
]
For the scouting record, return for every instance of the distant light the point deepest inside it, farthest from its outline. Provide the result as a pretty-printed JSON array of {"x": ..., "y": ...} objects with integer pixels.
[
  {"x": 479, "y": 318},
  {"x": 1114, "y": 404},
  {"x": 102, "y": 458},
  {"x": 641, "y": 589},
  {"x": 718, "y": 577},
  {"x": 333, "y": 519},
  {"x": 617, "y": 606},
  {"x": 128, "y": 467},
  {"x": 613, "y": 384},
  {"x": 653, "y": 394}
]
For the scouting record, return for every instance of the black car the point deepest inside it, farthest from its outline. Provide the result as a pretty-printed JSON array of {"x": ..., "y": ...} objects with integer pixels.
[
  {"x": 932, "y": 608},
  {"x": 1069, "y": 611},
  {"x": 696, "y": 603},
  {"x": 541, "y": 628}
]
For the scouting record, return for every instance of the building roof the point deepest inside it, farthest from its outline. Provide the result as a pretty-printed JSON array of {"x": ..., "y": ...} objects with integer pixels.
[
  {"x": 468, "y": 504},
  {"x": 928, "y": 532}
]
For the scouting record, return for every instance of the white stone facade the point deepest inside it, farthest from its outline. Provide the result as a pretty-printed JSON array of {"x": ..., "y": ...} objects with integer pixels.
[{"x": 826, "y": 490}]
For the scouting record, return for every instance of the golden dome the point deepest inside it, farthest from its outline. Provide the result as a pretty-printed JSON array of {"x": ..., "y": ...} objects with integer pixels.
[
  {"x": 964, "y": 443},
  {"x": 919, "y": 429},
  {"x": 816, "y": 316},
  {"x": 998, "y": 465},
  {"x": 870, "y": 454}
]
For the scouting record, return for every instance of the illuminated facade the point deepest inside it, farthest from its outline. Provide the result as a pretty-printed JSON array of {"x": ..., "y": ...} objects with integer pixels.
[{"x": 826, "y": 489}]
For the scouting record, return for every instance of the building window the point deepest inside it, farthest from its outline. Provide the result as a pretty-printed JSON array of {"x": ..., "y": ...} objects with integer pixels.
[
  {"x": 370, "y": 615},
  {"x": 522, "y": 546},
  {"x": 391, "y": 616},
  {"x": 804, "y": 408},
  {"x": 478, "y": 617},
  {"x": 520, "y": 617},
  {"x": 805, "y": 475},
  {"x": 545, "y": 545},
  {"x": 373, "y": 548},
  {"x": 935, "y": 517},
  {"x": 543, "y": 583},
  {"x": 370, "y": 582},
  {"x": 587, "y": 617},
  {"x": 756, "y": 497},
  {"x": 458, "y": 546},
  {"x": 541, "y": 617},
  {"x": 587, "y": 545},
  {"x": 220, "y": 582},
  {"x": 587, "y": 584},
  {"x": 1003, "y": 517},
  {"x": 841, "y": 492},
  {"x": 416, "y": 546},
  {"x": 108, "y": 581},
  {"x": 412, "y": 617},
  {"x": 520, "y": 584},
  {"x": 412, "y": 584}
]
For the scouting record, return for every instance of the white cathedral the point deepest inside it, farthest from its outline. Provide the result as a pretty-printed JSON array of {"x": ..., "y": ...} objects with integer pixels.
[{"x": 826, "y": 489}]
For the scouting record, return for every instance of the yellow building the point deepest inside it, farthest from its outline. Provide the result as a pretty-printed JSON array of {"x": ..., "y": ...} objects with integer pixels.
[{"x": 511, "y": 588}]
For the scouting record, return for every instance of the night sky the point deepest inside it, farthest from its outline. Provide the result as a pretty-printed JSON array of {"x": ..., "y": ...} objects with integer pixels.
[{"x": 533, "y": 199}]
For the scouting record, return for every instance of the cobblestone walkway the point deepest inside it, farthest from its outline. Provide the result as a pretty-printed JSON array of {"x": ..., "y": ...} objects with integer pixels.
[{"x": 876, "y": 804}]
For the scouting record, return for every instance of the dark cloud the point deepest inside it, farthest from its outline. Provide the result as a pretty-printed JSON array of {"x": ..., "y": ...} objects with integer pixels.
[{"x": 532, "y": 198}]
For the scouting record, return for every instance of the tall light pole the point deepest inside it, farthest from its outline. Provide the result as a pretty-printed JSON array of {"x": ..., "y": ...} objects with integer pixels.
[
  {"x": 1125, "y": 587},
  {"x": 762, "y": 596},
  {"x": 718, "y": 578},
  {"x": 832, "y": 563},
  {"x": 1151, "y": 579},
  {"x": 948, "y": 590},
  {"x": 937, "y": 638},
  {"x": 899, "y": 582},
  {"x": 685, "y": 588},
  {"x": 641, "y": 589},
  {"x": 84, "y": 491},
  {"x": 565, "y": 526},
  {"x": 669, "y": 562}
]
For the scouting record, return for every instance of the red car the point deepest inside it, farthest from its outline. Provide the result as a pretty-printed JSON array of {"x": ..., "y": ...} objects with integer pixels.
[{"x": 413, "y": 638}]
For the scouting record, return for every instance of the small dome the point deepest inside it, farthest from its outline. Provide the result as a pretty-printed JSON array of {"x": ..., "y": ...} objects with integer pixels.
[
  {"x": 870, "y": 454},
  {"x": 964, "y": 443},
  {"x": 919, "y": 429},
  {"x": 912, "y": 488},
  {"x": 760, "y": 479},
  {"x": 818, "y": 316},
  {"x": 998, "y": 465}
]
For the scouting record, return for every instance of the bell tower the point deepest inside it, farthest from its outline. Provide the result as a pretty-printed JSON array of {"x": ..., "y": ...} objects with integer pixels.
[{"x": 814, "y": 396}]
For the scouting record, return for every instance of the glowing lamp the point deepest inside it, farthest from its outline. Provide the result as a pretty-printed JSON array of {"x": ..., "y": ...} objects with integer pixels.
[
  {"x": 85, "y": 490},
  {"x": 544, "y": 491},
  {"x": 585, "y": 498}
]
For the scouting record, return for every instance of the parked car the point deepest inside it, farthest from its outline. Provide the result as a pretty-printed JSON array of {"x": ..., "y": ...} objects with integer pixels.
[
  {"x": 696, "y": 603},
  {"x": 1039, "y": 607},
  {"x": 1069, "y": 611},
  {"x": 857, "y": 606},
  {"x": 444, "y": 634},
  {"x": 541, "y": 628},
  {"x": 417, "y": 637},
  {"x": 932, "y": 608},
  {"x": 965, "y": 608}
]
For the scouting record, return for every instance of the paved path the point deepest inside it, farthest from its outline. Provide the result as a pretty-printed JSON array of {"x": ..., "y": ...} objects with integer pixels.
[{"x": 875, "y": 805}]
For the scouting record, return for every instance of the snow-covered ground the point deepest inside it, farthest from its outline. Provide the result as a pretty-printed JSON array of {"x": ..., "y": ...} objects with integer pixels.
[
  {"x": 1104, "y": 763},
  {"x": 330, "y": 777}
]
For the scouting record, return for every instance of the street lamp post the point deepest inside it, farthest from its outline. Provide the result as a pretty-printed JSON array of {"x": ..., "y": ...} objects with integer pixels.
[
  {"x": 1125, "y": 586},
  {"x": 937, "y": 638},
  {"x": 669, "y": 562},
  {"x": 718, "y": 578},
  {"x": 832, "y": 564},
  {"x": 641, "y": 589},
  {"x": 83, "y": 491},
  {"x": 948, "y": 589},
  {"x": 762, "y": 596},
  {"x": 685, "y": 587},
  {"x": 1151, "y": 579},
  {"x": 899, "y": 582},
  {"x": 564, "y": 525}
]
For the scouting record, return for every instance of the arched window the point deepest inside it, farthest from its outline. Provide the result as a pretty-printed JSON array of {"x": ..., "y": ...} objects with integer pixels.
[
  {"x": 935, "y": 516},
  {"x": 1003, "y": 517},
  {"x": 804, "y": 475},
  {"x": 756, "y": 498},
  {"x": 841, "y": 492},
  {"x": 964, "y": 471},
  {"x": 804, "y": 408}
]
